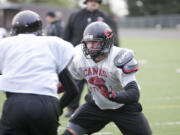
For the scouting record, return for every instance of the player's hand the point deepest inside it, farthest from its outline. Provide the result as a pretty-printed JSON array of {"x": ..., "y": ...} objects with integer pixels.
[
  {"x": 60, "y": 88},
  {"x": 109, "y": 95},
  {"x": 104, "y": 91},
  {"x": 112, "y": 96}
]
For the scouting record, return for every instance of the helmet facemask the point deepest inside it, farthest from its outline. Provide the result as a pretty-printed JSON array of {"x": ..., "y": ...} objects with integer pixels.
[
  {"x": 95, "y": 52},
  {"x": 97, "y": 40}
]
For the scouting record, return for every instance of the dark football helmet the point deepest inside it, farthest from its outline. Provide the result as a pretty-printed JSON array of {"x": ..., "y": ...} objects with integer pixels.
[
  {"x": 26, "y": 22},
  {"x": 99, "y": 1},
  {"x": 97, "y": 32}
]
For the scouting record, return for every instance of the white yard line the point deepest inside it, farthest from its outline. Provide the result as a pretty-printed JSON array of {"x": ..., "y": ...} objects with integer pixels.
[
  {"x": 142, "y": 61},
  {"x": 178, "y": 70},
  {"x": 167, "y": 123},
  {"x": 168, "y": 98},
  {"x": 162, "y": 107},
  {"x": 103, "y": 133},
  {"x": 61, "y": 128}
]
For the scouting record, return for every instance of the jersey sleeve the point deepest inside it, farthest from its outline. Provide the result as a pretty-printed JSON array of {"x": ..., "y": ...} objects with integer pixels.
[
  {"x": 124, "y": 77},
  {"x": 75, "y": 65},
  {"x": 65, "y": 53},
  {"x": 127, "y": 78}
]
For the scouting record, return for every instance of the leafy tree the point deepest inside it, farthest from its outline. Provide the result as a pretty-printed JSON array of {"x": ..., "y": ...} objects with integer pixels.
[
  {"x": 153, "y": 7},
  {"x": 64, "y": 3}
]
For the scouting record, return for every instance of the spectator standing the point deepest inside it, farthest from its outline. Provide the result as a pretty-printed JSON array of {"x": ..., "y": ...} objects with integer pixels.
[{"x": 54, "y": 27}]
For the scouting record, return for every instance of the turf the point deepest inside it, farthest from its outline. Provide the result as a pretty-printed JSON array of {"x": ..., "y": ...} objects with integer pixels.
[{"x": 159, "y": 79}]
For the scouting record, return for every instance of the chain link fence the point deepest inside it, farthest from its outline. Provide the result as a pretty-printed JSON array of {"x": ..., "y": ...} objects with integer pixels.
[{"x": 157, "y": 21}]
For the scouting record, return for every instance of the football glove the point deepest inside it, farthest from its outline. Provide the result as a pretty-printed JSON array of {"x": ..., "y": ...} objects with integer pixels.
[{"x": 60, "y": 88}]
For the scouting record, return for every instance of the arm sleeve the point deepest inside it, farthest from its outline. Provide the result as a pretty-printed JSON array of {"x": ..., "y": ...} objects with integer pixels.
[
  {"x": 130, "y": 95},
  {"x": 69, "y": 86},
  {"x": 131, "y": 89}
]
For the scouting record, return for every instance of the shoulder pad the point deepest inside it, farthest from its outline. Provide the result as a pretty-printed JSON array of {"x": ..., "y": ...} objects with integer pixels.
[
  {"x": 123, "y": 57},
  {"x": 130, "y": 67}
]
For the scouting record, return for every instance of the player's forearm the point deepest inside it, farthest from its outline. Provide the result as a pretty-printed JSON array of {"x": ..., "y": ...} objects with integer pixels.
[
  {"x": 69, "y": 86},
  {"x": 130, "y": 95}
]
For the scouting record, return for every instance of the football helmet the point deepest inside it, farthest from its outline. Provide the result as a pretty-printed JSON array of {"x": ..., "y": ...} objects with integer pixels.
[
  {"x": 98, "y": 32},
  {"x": 26, "y": 22}
]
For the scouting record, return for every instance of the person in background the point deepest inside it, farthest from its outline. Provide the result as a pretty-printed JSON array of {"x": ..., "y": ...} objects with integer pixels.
[
  {"x": 54, "y": 27},
  {"x": 74, "y": 32}
]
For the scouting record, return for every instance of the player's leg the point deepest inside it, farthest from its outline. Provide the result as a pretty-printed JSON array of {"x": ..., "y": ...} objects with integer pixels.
[
  {"x": 87, "y": 119},
  {"x": 28, "y": 114},
  {"x": 67, "y": 132},
  {"x": 74, "y": 129},
  {"x": 44, "y": 121},
  {"x": 131, "y": 122},
  {"x": 13, "y": 116}
]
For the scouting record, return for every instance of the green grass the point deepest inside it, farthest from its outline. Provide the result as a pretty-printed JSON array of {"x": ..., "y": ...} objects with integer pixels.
[{"x": 159, "y": 81}]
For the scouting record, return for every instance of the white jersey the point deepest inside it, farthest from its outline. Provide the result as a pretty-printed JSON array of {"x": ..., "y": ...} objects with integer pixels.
[
  {"x": 30, "y": 64},
  {"x": 104, "y": 72}
]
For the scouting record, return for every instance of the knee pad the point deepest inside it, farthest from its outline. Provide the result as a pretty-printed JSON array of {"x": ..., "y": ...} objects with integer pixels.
[
  {"x": 78, "y": 129},
  {"x": 66, "y": 132}
]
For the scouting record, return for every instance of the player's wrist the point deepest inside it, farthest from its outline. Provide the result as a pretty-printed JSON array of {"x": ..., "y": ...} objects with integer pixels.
[
  {"x": 60, "y": 88},
  {"x": 112, "y": 95}
]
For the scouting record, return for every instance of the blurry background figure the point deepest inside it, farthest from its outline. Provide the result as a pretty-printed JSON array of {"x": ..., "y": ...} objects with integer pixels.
[
  {"x": 3, "y": 32},
  {"x": 74, "y": 32},
  {"x": 54, "y": 27},
  {"x": 59, "y": 17}
]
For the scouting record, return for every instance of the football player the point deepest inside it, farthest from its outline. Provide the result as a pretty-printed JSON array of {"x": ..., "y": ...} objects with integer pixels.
[
  {"x": 73, "y": 33},
  {"x": 30, "y": 67},
  {"x": 113, "y": 90}
]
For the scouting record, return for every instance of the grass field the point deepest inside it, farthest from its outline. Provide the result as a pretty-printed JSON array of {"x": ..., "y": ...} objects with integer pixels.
[{"x": 159, "y": 78}]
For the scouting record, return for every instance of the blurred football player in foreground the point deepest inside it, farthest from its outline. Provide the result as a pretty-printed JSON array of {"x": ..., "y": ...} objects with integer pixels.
[{"x": 31, "y": 66}]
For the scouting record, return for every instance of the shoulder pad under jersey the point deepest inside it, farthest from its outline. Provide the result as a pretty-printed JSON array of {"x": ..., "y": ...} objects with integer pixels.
[{"x": 125, "y": 60}]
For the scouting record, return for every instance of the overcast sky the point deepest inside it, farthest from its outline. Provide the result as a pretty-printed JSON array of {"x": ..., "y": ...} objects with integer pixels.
[{"x": 119, "y": 7}]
